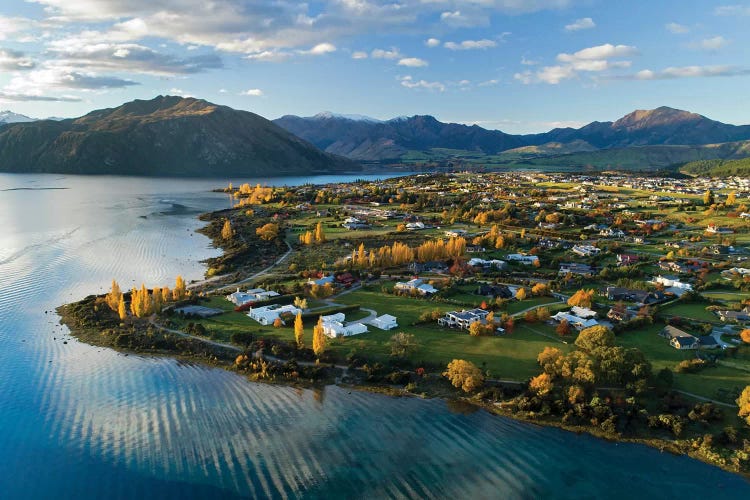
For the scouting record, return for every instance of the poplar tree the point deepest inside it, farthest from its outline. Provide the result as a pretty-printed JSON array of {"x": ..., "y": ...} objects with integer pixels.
[
  {"x": 320, "y": 236},
  {"x": 179, "y": 288},
  {"x": 114, "y": 296},
  {"x": 226, "y": 231},
  {"x": 319, "y": 338},
  {"x": 299, "y": 330},
  {"x": 121, "y": 311}
]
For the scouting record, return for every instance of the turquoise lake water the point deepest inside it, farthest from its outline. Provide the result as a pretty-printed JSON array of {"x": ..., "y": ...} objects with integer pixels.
[{"x": 78, "y": 421}]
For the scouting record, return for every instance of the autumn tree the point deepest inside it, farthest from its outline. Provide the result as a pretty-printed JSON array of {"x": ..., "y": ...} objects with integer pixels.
[
  {"x": 594, "y": 337},
  {"x": 541, "y": 384},
  {"x": 403, "y": 345},
  {"x": 320, "y": 236},
  {"x": 744, "y": 403},
  {"x": 731, "y": 198},
  {"x": 227, "y": 232},
  {"x": 278, "y": 323},
  {"x": 300, "y": 303},
  {"x": 114, "y": 296},
  {"x": 180, "y": 289},
  {"x": 539, "y": 289},
  {"x": 464, "y": 375},
  {"x": 299, "y": 330},
  {"x": 549, "y": 358},
  {"x": 745, "y": 335},
  {"x": 521, "y": 294},
  {"x": 319, "y": 338},
  {"x": 530, "y": 316},
  {"x": 582, "y": 298},
  {"x": 542, "y": 314},
  {"x": 563, "y": 328},
  {"x": 708, "y": 198},
  {"x": 475, "y": 328},
  {"x": 121, "y": 311},
  {"x": 268, "y": 231}
]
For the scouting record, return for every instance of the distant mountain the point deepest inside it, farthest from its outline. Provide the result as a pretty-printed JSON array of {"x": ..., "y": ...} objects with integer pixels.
[
  {"x": 169, "y": 136},
  {"x": 11, "y": 117},
  {"x": 399, "y": 138},
  {"x": 392, "y": 139}
]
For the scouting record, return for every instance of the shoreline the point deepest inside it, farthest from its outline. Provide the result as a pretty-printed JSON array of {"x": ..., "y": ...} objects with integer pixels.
[{"x": 197, "y": 351}]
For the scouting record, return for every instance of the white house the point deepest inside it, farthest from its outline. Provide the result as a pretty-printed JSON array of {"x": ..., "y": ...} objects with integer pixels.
[
  {"x": 585, "y": 250},
  {"x": 415, "y": 226},
  {"x": 575, "y": 321},
  {"x": 496, "y": 263},
  {"x": 672, "y": 285},
  {"x": 335, "y": 326},
  {"x": 583, "y": 312},
  {"x": 266, "y": 315},
  {"x": 417, "y": 284},
  {"x": 239, "y": 298},
  {"x": 463, "y": 319},
  {"x": 322, "y": 281},
  {"x": 385, "y": 322}
]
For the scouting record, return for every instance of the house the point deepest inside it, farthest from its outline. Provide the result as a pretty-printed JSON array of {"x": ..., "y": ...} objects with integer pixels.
[
  {"x": 455, "y": 233},
  {"x": 385, "y": 322},
  {"x": 575, "y": 321},
  {"x": 415, "y": 285},
  {"x": 475, "y": 249},
  {"x": 335, "y": 326},
  {"x": 714, "y": 229},
  {"x": 266, "y": 315},
  {"x": 239, "y": 298},
  {"x": 495, "y": 291},
  {"x": 679, "y": 339},
  {"x": 527, "y": 260},
  {"x": 322, "y": 281},
  {"x": 640, "y": 297},
  {"x": 620, "y": 315},
  {"x": 353, "y": 226},
  {"x": 415, "y": 226},
  {"x": 575, "y": 268},
  {"x": 346, "y": 279},
  {"x": 486, "y": 264},
  {"x": 583, "y": 312},
  {"x": 627, "y": 259},
  {"x": 612, "y": 233},
  {"x": 735, "y": 316},
  {"x": 672, "y": 285},
  {"x": 463, "y": 319},
  {"x": 585, "y": 250},
  {"x": 708, "y": 342}
]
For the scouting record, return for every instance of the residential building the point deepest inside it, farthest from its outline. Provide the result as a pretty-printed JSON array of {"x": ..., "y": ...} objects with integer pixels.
[
  {"x": 679, "y": 339},
  {"x": 585, "y": 250},
  {"x": 577, "y": 322},
  {"x": 576, "y": 268},
  {"x": 463, "y": 319},
  {"x": 385, "y": 322},
  {"x": 415, "y": 285},
  {"x": 239, "y": 298},
  {"x": 266, "y": 315},
  {"x": 741, "y": 316},
  {"x": 335, "y": 325},
  {"x": 523, "y": 259}
]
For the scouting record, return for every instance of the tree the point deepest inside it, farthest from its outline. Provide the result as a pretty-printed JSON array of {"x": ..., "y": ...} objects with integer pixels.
[
  {"x": 268, "y": 231},
  {"x": 595, "y": 337},
  {"x": 563, "y": 328},
  {"x": 731, "y": 198},
  {"x": 744, "y": 403},
  {"x": 549, "y": 358},
  {"x": 521, "y": 294},
  {"x": 464, "y": 375},
  {"x": 242, "y": 338},
  {"x": 278, "y": 323},
  {"x": 114, "y": 296},
  {"x": 530, "y": 316},
  {"x": 121, "y": 311},
  {"x": 320, "y": 236},
  {"x": 542, "y": 314},
  {"x": 582, "y": 298},
  {"x": 299, "y": 330},
  {"x": 319, "y": 338},
  {"x": 708, "y": 198},
  {"x": 180, "y": 290},
  {"x": 403, "y": 345},
  {"x": 745, "y": 335},
  {"x": 539, "y": 289},
  {"x": 300, "y": 303},
  {"x": 226, "y": 231},
  {"x": 541, "y": 384}
]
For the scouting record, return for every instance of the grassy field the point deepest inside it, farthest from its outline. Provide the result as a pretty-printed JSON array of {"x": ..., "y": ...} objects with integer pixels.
[{"x": 695, "y": 311}]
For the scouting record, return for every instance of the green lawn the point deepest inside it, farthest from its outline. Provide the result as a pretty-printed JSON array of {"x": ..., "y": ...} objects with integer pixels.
[{"x": 691, "y": 311}]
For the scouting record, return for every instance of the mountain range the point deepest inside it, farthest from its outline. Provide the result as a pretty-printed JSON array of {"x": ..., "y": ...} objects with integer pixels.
[
  {"x": 400, "y": 138},
  {"x": 176, "y": 136},
  {"x": 165, "y": 136}
]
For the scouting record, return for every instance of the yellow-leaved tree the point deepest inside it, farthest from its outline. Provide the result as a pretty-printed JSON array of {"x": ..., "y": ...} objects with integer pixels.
[
  {"x": 744, "y": 403},
  {"x": 541, "y": 384},
  {"x": 319, "y": 338},
  {"x": 268, "y": 231},
  {"x": 464, "y": 375},
  {"x": 114, "y": 296},
  {"x": 320, "y": 236},
  {"x": 299, "y": 330},
  {"x": 180, "y": 290},
  {"x": 521, "y": 294},
  {"x": 582, "y": 298},
  {"x": 226, "y": 231},
  {"x": 121, "y": 311}
]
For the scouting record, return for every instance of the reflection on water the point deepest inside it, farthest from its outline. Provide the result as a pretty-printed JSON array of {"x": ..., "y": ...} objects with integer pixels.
[{"x": 78, "y": 421}]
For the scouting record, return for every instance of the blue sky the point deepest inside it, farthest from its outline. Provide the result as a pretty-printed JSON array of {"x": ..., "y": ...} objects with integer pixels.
[{"x": 516, "y": 65}]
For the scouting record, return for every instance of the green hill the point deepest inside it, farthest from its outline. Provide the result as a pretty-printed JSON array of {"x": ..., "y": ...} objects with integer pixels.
[{"x": 718, "y": 168}]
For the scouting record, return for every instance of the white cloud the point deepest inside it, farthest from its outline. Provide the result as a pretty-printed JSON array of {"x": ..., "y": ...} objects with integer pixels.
[
  {"x": 432, "y": 42},
  {"x": 528, "y": 62},
  {"x": 359, "y": 55},
  {"x": 386, "y": 54},
  {"x": 41, "y": 82},
  {"x": 591, "y": 59},
  {"x": 223, "y": 91},
  {"x": 672, "y": 73},
  {"x": 580, "y": 24},
  {"x": 320, "y": 49},
  {"x": 712, "y": 44},
  {"x": 11, "y": 26},
  {"x": 11, "y": 60},
  {"x": 410, "y": 83},
  {"x": 470, "y": 44},
  {"x": 252, "y": 93},
  {"x": 179, "y": 92},
  {"x": 677, "y": 29},
  {"x": 412, "y": 62},
  {"x": 732, "y": 10},
  {"x": 16, "y": 97},
  {"x": 270, "y": 56},
  {"x": 488, "y": 83}
]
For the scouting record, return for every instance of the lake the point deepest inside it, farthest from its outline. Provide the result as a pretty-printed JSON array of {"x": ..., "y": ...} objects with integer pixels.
[{"x": 78, "y": 421}]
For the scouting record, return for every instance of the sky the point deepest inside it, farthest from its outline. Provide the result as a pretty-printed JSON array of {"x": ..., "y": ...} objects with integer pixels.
[{"x": 520, "y": 66}]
